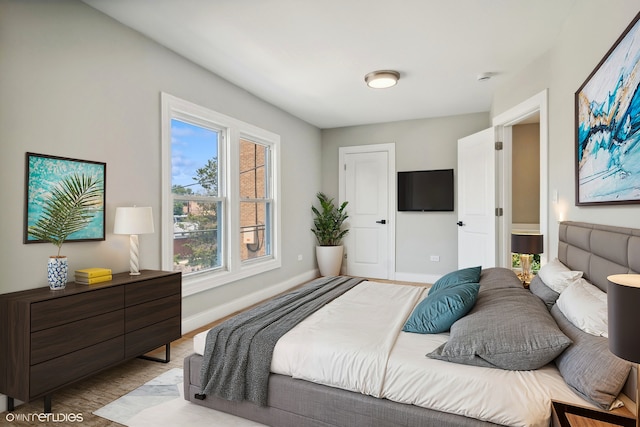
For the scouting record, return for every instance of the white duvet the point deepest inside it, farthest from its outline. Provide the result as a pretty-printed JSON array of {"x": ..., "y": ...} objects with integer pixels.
[{"x": 356, "y": 343}]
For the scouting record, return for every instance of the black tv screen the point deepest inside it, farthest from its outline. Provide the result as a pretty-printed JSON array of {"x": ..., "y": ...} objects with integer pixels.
[{"x": 425, "y": 191}]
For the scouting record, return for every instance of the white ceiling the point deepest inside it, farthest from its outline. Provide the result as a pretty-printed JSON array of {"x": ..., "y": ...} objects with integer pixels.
[{"x": 309, "y": 57}]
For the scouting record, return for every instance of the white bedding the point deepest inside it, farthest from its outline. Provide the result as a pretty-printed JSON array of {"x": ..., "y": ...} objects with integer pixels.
[{"x": 356, "y": 343}]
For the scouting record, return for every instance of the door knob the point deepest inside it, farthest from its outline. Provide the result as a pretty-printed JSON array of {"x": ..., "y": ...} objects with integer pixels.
[
  {"x": 382, "y": 221},
  {"x": 460, "y": 223}
]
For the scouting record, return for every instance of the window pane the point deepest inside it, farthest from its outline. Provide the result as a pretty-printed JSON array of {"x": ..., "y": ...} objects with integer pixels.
[
  {"x": 253, "y": 171},
  {"x": 194, "y": 179},
  {"x": 196, "y": 235},
  {"x": 255, "y": 232},
  {"x": 194, "y": 159}
]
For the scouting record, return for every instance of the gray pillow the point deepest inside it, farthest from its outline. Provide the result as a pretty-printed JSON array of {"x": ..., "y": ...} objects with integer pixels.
[
  {"x": 508, "y": 328},
  {"x": 542, "y": 291},
  {"x": 498, "y": 278},
  {"x": 588, "y": 366}
]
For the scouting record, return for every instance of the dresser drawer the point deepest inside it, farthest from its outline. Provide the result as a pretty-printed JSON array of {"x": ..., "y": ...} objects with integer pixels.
[
  {"x": 153, "y": 336},
  {"x": 54, "y": 342},
  {"x": 69, "y": 308},
  {"x": 149, "y": 290},
  {"x": 54, "y": 373},
  {"x": 149, "y": 313}
]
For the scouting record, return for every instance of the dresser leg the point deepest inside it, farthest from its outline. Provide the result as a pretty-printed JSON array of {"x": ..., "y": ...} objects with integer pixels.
[
  {"x": 47, "y": 404},
  {"x": 167, "y": 355},
  {"x": 10, "y": 404}
]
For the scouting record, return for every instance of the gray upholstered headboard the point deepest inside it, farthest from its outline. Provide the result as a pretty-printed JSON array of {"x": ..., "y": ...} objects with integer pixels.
[{"x": 599, "y": 250}]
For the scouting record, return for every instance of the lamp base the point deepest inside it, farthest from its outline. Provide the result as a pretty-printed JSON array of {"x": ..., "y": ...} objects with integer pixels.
[
  {"x": 134, "y": 249},
  {"x": 525, "y": 264}
]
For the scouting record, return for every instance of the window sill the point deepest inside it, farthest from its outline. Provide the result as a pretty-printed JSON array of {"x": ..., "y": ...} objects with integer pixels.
[{"x": 197, "y": 283}]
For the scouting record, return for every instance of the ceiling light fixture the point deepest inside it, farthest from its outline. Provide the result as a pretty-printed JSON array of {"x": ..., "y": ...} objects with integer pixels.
[{"x": 382, "y": 79}]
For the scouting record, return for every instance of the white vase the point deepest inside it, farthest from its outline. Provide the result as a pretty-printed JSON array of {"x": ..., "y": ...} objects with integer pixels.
[
  {"x": 329, "y": 259},
  {"x": 57, "y": 272}
]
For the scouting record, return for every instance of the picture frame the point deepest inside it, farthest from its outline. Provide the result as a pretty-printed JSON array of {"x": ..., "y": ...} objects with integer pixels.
[
  {"x": 42, "y": 173},
  {"x": 607, "y": 131}
]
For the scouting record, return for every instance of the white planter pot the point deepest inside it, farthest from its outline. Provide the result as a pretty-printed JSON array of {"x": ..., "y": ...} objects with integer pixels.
[
  {"x": 329, "y": 259},
  {"x": 57, "y": 271}
]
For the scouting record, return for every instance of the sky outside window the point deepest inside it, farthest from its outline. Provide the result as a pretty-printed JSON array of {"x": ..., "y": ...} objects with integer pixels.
[{"x": 191, "y": 147}]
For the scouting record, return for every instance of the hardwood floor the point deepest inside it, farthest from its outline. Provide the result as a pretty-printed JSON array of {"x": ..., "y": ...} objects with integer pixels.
[{"x": 86, "y": 396}]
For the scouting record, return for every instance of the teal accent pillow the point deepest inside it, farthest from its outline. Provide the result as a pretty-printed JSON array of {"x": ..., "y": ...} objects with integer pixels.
[
  {"x": 439, "y": 310},
  {"x": 465, "y": 275}
]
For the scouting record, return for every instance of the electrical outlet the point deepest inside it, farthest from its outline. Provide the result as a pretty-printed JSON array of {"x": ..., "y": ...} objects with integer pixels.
[
  {"x": 299, "y": 257},
  {"x": 435, "y": 258}
]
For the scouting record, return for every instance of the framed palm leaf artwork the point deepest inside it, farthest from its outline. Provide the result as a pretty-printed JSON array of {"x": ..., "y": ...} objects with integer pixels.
[
  {"x": 608, "y": 126},
  {"x": 47, "y": 177}
]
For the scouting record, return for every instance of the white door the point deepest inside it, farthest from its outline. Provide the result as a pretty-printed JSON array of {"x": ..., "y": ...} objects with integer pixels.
[
  {"x": 477, "y": 200},
  {"x": 367, "y": 189}
]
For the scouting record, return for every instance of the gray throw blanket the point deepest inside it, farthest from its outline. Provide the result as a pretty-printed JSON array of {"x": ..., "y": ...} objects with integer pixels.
[{"x": 237, "y": 356}]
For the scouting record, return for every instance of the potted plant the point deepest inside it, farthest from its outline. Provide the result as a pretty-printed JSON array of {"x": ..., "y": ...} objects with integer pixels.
[
  {"x": 70, "y": 207},
  {"x": 329, "y": 233}
]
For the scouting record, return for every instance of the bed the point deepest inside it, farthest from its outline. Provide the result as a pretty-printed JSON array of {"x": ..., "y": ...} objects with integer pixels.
[{"x": 392, "y": 381}]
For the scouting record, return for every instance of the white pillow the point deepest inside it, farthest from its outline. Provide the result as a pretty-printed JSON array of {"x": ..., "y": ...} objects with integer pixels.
[
  {"x": 585, "y": 306},
  {"x": 557, "y": 276}
]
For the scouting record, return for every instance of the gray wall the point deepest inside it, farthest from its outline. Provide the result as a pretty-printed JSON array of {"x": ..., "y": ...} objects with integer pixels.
[
  {"x": 590, "y": 31},
  {"x": 420, "y": 144},
  {"x": 76, "y": 83}
]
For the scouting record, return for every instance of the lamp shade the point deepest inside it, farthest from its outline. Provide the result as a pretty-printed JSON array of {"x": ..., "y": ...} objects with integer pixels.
[
  {"x": 526, "y": 243},
  {"x": 623, "y": 306},
  {"x": 133, "y": 220}
]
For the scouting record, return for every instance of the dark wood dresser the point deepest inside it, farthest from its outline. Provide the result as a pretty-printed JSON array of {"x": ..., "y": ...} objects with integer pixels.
[{"x": 49, "y": 339}]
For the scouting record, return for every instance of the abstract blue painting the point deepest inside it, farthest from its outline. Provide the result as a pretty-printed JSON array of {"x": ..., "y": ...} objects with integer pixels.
[
  {"x": 608, "y": 126},
  {"x": 43, "y": 173}
]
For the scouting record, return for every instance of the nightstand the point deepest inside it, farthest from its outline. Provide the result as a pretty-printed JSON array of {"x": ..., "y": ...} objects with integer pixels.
[{"x": 568, "y": 415}]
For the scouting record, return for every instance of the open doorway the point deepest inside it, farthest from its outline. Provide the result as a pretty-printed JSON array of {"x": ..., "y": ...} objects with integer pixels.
[
  {"x": 508, "y": 125},
  {"x": 525, "y": 189}
]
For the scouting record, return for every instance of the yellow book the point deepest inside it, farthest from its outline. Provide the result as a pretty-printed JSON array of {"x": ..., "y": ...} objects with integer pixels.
[
  {"x": 93, "y": 272},
  {"x": 93, "y": 280}
]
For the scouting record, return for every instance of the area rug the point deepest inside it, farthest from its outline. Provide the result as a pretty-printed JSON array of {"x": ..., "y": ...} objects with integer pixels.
[{"x": 160, "y": 402}]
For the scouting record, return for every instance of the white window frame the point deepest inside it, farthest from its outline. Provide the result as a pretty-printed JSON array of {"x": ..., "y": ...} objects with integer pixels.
[{"x": 232, "y": 267}]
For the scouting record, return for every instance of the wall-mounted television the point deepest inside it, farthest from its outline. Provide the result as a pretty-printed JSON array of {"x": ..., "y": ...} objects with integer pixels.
[{"x": 424, "y": 191}]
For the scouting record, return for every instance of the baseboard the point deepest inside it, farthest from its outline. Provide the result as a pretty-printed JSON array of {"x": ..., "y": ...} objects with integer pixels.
[{"x": 205, "y": 317}]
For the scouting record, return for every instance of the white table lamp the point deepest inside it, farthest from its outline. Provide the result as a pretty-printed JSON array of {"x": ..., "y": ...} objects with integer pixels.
[{"x": 133, "y": 221}]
